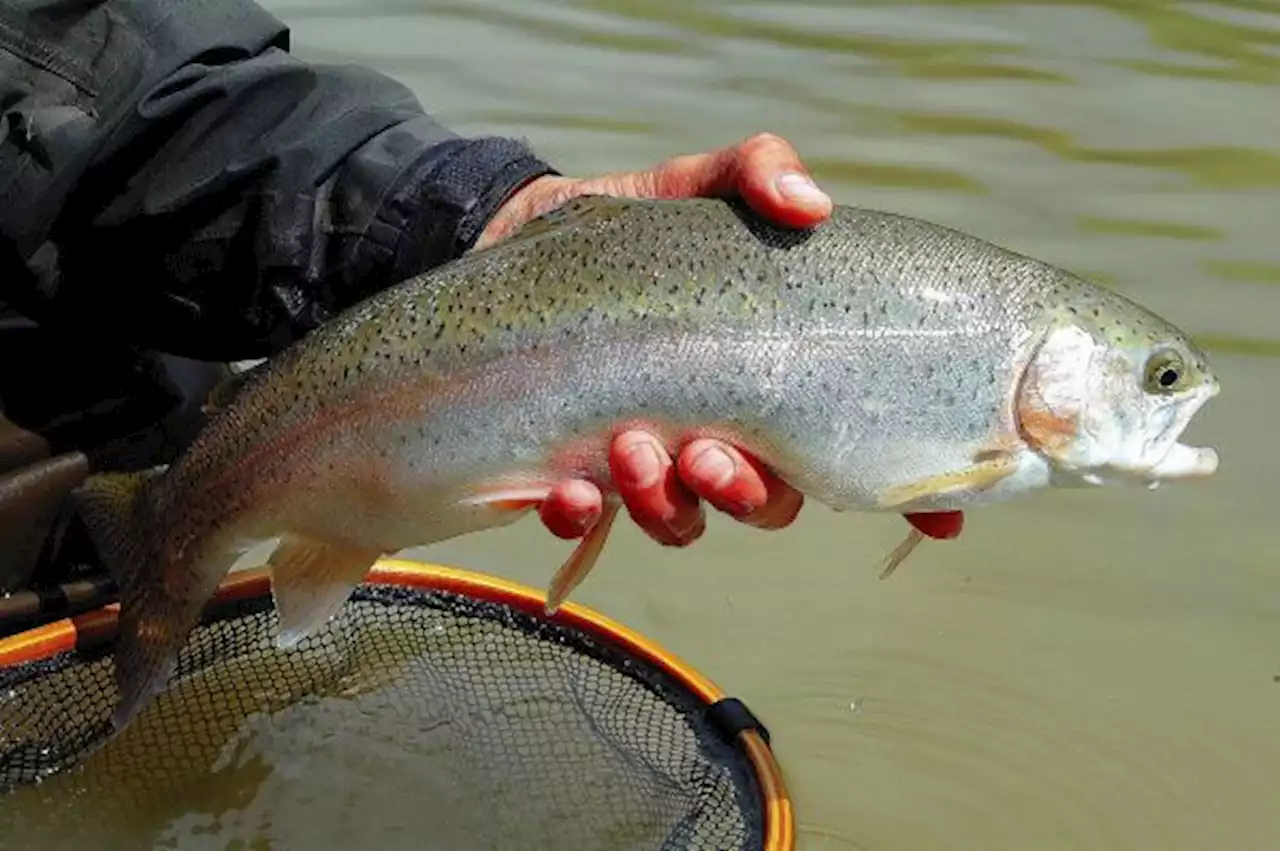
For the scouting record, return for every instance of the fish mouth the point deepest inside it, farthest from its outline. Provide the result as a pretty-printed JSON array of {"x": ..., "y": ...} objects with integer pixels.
[
  {"x": 1181, "y": 461},
  {"x": 1184, "y": 462},
  {"x": 1189, "y": 462}
]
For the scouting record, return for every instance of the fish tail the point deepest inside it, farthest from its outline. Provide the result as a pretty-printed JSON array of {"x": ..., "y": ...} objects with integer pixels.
[
  {"x": 115, "y": 508},
  {"x": 110, "y": 505}
]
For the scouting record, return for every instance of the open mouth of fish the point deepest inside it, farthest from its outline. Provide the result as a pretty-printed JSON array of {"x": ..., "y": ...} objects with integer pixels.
[
  {"x": 1184, "y": 462},
  {"x": 1180, "y": 460}
]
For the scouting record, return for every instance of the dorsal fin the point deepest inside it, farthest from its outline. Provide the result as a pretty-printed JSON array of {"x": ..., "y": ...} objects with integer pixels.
[{"x": 225, "y": 391}]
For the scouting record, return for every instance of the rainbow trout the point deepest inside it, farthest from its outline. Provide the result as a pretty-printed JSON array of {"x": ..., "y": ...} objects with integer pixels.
[{"x": 875, "y": 362}]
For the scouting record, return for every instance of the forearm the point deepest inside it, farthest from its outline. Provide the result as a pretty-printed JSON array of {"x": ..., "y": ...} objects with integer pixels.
[{"x": 203, "y": 192}]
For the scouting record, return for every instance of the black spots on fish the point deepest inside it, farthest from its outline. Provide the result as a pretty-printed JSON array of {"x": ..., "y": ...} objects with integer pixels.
[
  {"x": 767, "y": 233},
  {"x": 826, "y": 305},
  {"x": 992, "y": 376},
  {"x": 945, "y": 396},
  {"x": 759, "y": 276}
]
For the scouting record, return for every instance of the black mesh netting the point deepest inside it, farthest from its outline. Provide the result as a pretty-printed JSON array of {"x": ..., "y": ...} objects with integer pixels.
[{"x": 416, "y": 719}]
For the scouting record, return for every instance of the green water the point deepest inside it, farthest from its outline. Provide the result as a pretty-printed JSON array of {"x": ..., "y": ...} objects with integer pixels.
[{"x": 1081, "y": 670}]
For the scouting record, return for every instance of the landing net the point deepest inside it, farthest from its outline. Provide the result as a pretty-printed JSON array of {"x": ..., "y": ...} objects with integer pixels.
[{"x": 439, "y": 710}]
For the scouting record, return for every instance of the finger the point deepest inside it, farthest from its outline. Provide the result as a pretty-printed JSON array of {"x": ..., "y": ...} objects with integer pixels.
[
  {"x": 646, "y": 480},
  {"x": 571, "y": 509},
  {"x": 738, "y": 485},
  {"x": 538, "y": 196},
  {"x": 765, "y": 170},
  {"x": 939, "y": 525},
  {"x": 706, "y": 175},
  {"x": 773, "y": 180}
]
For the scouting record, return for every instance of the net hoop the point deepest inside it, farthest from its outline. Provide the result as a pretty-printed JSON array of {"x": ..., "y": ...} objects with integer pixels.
[{"x": 98, "y": 627}]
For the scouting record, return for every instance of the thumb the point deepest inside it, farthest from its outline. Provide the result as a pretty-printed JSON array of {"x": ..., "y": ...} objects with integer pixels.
[{"x": 772, "y": 179}]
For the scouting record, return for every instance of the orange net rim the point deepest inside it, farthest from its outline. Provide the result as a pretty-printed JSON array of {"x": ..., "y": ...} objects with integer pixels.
[{"x": 99, "y": 626}]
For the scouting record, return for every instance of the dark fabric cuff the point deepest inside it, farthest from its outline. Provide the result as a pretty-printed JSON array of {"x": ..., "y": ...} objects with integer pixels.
[{"x": 449, "y": 197}]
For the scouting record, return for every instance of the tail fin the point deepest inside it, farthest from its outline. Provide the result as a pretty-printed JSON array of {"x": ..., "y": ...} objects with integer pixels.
[
  {"x": 115, "y": 508},
  {"x": 110, "y": 505}
]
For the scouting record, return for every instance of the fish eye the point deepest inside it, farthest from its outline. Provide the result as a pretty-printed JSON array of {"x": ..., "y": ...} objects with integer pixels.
[{"x": 1166, "y": 372}]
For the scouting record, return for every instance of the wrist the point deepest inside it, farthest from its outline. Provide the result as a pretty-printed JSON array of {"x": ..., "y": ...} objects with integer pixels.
[{"x": 535, "y": 197}]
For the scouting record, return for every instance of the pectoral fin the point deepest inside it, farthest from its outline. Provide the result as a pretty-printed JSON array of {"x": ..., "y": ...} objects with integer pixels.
[
  {"x": 310, "y": 581},
  {"x": 583, "y": 558},
  {"x": 511, "y": 499},
  {"x": 985, "y": 473}
]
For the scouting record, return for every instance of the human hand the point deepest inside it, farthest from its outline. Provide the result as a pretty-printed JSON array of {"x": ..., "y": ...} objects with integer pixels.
[{"x": 664, "y": 496}]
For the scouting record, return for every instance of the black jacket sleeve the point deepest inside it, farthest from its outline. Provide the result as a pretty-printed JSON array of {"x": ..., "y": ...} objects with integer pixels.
[{"x": 172, "y": 178}]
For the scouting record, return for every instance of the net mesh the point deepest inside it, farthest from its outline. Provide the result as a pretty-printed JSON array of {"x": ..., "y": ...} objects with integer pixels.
[{"x": 417, "y": 718}]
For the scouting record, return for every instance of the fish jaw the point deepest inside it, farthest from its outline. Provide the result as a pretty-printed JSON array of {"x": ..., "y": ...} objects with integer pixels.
[{"x": 1185, "y": 462}]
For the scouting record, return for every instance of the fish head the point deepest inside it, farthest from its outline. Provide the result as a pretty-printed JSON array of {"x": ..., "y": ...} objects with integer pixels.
[{"x": 1108, "y": 393}]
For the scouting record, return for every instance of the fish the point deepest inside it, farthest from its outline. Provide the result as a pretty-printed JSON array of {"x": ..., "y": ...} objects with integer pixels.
[{"x": 876, "y": 362}]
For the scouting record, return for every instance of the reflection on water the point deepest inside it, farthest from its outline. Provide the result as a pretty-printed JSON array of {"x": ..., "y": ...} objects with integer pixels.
[{"x": 1081, "y": 670}]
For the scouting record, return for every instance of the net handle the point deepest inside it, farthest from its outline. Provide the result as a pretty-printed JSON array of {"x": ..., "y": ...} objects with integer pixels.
[{"x": 98, "y": 627}]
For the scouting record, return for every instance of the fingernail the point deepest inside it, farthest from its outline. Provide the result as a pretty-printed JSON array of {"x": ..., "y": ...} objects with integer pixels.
[
  {"x": 713, "y": 466},
  {"x": 801, "y": 188},
  {"x": 645, "y": 465},
  {"x": 688, "y": 531}
]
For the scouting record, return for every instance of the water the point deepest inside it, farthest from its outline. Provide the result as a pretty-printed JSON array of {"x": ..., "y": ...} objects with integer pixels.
[{"x": 1080, "y": 670}]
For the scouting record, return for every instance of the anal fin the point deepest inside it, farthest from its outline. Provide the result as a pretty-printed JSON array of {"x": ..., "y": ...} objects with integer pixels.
[
  {"x": 311, "y": 580},
  {"x": 583, "y": 558}
]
